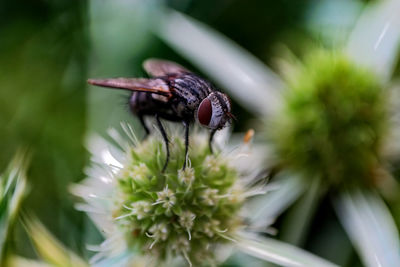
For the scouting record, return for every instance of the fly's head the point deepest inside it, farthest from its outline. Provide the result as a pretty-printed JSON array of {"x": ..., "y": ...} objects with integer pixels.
[{"x": 214, "y": 111}]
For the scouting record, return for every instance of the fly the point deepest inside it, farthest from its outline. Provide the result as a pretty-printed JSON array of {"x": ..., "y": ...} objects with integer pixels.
[{"x": 175, "y": 94}]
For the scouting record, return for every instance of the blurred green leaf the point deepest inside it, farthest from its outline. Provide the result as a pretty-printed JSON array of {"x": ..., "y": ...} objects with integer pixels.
[
  {"x": 49, "y": 248},
  {"x": 24, "y": 262},
  {"x": 13, "y": 188},
  {"x": 42, "y": 106}
]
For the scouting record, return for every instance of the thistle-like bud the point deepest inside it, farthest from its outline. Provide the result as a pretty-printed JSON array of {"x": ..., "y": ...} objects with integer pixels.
[
  {"x": 180, "y": 212},
  {"x": 333, "y": 121}
]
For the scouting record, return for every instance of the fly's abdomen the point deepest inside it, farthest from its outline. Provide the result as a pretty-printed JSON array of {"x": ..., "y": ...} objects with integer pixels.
[
  {"x": 140, "y": 102},
  {"x": 143, "y": 103}
]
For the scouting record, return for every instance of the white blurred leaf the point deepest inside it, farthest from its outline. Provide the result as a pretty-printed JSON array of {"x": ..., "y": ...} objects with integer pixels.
[
  {"x": 374, "y": 41},
  {"x": 370, "y": 227},
  {"x": 297, "y": 223},
  {"x": 124, "y": 259},
  {"x": 246, "y": 78},
  {"x": 332, "y": 21},
  {"x": 265, "y": 209},
  {"x": 278, "y": 252}
]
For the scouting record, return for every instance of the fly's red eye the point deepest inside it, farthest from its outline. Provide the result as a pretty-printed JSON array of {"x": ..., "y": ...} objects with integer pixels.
[{"x": 205, "y": 111}]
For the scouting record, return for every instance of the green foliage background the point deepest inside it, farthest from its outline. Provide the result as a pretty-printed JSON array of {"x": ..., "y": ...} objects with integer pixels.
[{"x": 43, "y": 54}]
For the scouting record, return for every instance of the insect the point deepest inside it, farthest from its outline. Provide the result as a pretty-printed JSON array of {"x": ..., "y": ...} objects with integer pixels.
[{"x": 175, "y": 94}]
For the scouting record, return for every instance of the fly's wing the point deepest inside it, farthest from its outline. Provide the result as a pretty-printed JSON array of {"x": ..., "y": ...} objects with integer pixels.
[
  {"x": 155, "y": 86},
  {"x": 158, "y": 67}
]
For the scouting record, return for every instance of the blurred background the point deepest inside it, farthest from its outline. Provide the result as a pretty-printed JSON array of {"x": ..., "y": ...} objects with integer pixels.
[{"x": 49, "y": 48}]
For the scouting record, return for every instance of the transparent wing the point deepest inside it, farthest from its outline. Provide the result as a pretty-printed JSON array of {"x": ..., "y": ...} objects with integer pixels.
[{"x": 159, "y": 67}]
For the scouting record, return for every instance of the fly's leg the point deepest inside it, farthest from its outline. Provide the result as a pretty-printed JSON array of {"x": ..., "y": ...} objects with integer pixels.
[
  {"x": 146, "y": 129},
  {"x": 164, "y": 135},
  {"x": 186, "y": 123},
  {"x": 211, "y": 139}
]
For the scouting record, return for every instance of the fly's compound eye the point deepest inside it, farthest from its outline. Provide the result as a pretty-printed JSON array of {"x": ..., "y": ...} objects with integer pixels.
[{"x": 204, "y": 113}]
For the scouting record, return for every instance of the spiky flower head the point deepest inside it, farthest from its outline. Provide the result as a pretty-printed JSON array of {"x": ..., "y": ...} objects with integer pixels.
[
  {"x": 180, "y": 212},
  {"x": 333, "y": 121}
]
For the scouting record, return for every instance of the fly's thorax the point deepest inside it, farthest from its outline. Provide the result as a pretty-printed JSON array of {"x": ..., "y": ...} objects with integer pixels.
[
  {"x": 190, "y": 89},
  {"x": 214, "y": 111}
]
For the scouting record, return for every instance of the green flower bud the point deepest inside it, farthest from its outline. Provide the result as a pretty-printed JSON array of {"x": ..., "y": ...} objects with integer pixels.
[
  {"x": 164, "y": 217},
  {"x": 179, "y": 212},
  {"x": 333, "y": 122}
]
